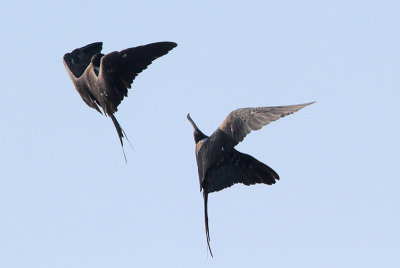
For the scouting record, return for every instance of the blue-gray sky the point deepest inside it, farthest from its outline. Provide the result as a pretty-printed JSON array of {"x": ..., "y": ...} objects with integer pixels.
[{"x": 67, "y": 198}]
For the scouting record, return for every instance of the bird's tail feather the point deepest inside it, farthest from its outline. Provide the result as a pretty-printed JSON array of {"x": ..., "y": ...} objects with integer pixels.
[
  {"x": 205, "y": 195},
  {"x": 121, "y": 134}
]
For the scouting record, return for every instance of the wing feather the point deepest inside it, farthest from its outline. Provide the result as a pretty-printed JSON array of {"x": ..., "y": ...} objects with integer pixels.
[
  {"x": 241, "y": 168},
  {"x": 242, "y": 121},
  {"x": 119, "y": 69},
  {"x": 79, "y": 59}
]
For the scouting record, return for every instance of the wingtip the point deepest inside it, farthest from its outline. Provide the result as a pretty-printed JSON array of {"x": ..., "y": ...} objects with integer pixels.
[
  {"x": 192, "y": 122},
  {"x": 306, "y": 104},
  {"x": 169, "y": 45},
  {"x": 96, "y": 46},
  {"x": 190, "y": 119},
  {"x": 99, "y": 43}
]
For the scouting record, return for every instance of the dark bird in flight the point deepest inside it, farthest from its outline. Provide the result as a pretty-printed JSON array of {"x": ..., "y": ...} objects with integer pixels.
[
  {"x": 220, "y": 165},
  {"x": 103, "y": 80}
]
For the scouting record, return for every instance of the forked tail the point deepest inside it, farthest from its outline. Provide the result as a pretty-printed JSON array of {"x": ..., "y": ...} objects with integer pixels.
[
  {"x": 121, "y": 134},
  {"x": 205, "y": 195}
]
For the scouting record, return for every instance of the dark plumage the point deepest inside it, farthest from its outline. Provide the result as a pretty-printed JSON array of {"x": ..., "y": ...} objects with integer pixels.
[
  {"x": 220, "y": 165},
  {"x": 103, "y": 80}
]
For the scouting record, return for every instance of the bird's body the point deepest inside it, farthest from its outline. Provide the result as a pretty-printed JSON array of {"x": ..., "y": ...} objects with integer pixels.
[
  {"x": 220, "y": 165},
  {"x": 103, "y": 81}
]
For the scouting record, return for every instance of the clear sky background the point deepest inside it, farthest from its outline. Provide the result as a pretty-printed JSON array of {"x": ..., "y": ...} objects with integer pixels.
[{"x": 68, "y": 199}]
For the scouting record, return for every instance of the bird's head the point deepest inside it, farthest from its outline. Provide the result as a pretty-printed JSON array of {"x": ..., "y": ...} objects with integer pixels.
[{"x": 198, "y": 135}]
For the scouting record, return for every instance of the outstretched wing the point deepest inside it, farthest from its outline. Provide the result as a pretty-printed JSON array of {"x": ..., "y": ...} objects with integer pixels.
[
  {"x": 78, "y": 60},
  {"x": 242, "y": 121},
  {"x": 238, "y": 168},
  {"x": 119, "y": 69}
]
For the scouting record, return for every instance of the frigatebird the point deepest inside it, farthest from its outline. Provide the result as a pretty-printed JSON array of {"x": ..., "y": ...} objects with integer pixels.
[
  {"x": 103, "y": 80},
  {"x": 220, "y": 165}
]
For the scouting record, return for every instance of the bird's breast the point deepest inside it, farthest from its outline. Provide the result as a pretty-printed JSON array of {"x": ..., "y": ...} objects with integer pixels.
[{"x": 200, "y": 144}]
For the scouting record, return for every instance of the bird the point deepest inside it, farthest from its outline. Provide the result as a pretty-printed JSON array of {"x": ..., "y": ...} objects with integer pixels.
[
  {"x": 220, "y": 165},
  {"x": 103, "y": 80}
]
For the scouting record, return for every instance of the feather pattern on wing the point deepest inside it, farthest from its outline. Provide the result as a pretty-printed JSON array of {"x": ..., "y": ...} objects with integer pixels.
[
  {"x": 119, "y": 69},
  {"x": 242, "y": 121}
]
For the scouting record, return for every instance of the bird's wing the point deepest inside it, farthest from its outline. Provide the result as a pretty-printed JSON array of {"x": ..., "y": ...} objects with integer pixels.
[
  {"x": 242, "y": 121},
  {"x": 239, "y": 168},
  {"x": 78, "y": 60},
  {"x": 119, "y": 69}
]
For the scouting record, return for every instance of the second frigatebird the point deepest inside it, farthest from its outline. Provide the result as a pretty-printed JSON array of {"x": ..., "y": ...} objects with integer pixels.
[
  {"x": 220, "y": 165},
  {"x": 103, "y": 80}
]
